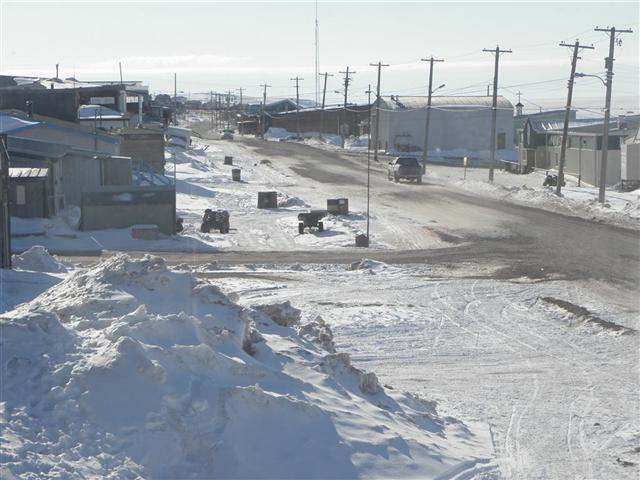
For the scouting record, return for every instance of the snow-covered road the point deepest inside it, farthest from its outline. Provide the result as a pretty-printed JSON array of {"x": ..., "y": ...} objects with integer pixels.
[{"x": 557, "y": 386}]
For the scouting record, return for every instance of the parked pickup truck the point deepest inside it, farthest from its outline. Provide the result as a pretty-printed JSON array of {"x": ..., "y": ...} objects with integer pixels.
[{"x": 404, "y": 167}]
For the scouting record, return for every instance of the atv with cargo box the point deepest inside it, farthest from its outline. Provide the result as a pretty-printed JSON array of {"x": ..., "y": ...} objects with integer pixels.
[
  {"x": 215, "y": 220},
  {"x": 311, "y": 219}
]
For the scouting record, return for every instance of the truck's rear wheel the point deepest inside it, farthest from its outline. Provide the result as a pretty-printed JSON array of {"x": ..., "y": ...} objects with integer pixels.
[
  {"x": 320, "y": 226},
  {"x": 419, "y": 179}
]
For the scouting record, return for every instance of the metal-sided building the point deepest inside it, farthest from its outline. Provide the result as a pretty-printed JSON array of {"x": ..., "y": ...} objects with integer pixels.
[
  {"x": 540, "y": 147},
  {"x": 460, "y": 126}
]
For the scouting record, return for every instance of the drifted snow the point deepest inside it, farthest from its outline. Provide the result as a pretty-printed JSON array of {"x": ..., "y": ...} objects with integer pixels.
[
  {"x": 37, "y": 259},
  {"x": 130, "y": 369}
]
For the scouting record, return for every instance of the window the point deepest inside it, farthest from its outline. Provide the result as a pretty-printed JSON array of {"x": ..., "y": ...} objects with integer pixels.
[
  {"x": 21, "y": 195},
  {"x": 502, "y": 140}
]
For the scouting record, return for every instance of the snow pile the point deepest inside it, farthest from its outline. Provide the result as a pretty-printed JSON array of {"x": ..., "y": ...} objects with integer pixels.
[
  {"x": 619, "y": 208},
  {"x": 357, "y": 143},
  {"x": 276, "y": 134},
  {"x": 38, "y": 259},
  {"x": 281, "y": 313},
  {"x": 367, "y": 264},
  {"x": 286, "y": 201},
  {"x": 130, "y": 369}
]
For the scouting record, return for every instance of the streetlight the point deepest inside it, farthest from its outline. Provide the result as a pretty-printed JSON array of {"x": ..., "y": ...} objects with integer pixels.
[{"x": 580, "y": 75}]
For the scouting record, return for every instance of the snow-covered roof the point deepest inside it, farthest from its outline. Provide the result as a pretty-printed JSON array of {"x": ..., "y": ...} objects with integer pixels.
[
  {"x": 10, "y": 124},
  {"x": 414, "y": 102},
  {"x": 98, "y": 111}
]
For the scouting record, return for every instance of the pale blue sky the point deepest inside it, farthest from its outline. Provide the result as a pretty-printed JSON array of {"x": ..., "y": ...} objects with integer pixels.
[{"x": 224, "y": 46}]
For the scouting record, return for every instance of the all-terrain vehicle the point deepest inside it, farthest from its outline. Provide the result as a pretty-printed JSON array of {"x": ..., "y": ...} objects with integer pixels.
[
  {"x": 215, "y": 220},
  {"x": 552, "y": 181},
  {"x": 311, "y": 219}
]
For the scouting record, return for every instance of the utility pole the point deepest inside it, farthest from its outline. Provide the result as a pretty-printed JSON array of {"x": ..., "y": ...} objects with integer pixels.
[
  {"x": 240, "y": 110},
  {"x": 565, "y": 129},
  {"x": 425, "y": 153},
  {"x": 346, "y": 91},
  {"x": 324, "y": 96},
  {"x": 346, "y": 84},
  {"x": 377, "y": 135},
  {"x": 211, "y": 107},
  {"x": 264, "y": 104},
  {"x": 608, "y": 63},
  {"x": 494, "y": 108},
  {"x": 175, "y": 98},
  {"x": 228, "y": 109},
  {"x": 297, "y": 80},
  {"x": 368, "y": 92},
  {"x": 5, "y": 216}
]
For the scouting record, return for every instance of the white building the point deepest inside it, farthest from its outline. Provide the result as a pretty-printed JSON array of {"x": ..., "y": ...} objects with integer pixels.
[{"x": 460, "y": 126}]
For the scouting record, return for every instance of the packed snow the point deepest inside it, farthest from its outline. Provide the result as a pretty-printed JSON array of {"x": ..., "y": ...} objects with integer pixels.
[
  {"x": 130, "y": 369},
  {"x": 550, "y": 366}
]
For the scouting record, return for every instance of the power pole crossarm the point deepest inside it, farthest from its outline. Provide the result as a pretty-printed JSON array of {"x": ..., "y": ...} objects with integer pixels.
[
  {"x": 425, "y": 153},
  {"x": 565, "y": 129},
  {"x": 608, "y": 63},
  {"x": 494, "y": 108}
]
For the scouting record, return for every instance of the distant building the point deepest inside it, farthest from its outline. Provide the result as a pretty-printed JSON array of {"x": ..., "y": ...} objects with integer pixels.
[
  {"x": 98, "y": 116},
  {"x": 520, "y": 119},
  {"x": 460, "y": 126},
  {"x": 145, "y": 146},
  {"x": 540, "y": 147},
  {"x": 61, "y": 99},
  {"x": 54, "y": 163},
  {"x": 334, "y": 120},
  {"x": 279, "y": 106},
  {"x": 630, "y": 161}
]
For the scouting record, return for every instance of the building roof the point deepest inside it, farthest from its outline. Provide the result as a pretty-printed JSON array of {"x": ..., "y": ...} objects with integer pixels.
[
  {"x": 13, "y": 81},
  {"x": 588, "y": 127},
  {"x": 10, "y": 124},
  {"x": 27, "y": 172},
  {"x": 544, "y": 114},
  {"x": 58, "y": 124},
  {"x": 37, "y": 148},
  {"x": 90, "y": 112},
  {"x": 400, "y": 102}
]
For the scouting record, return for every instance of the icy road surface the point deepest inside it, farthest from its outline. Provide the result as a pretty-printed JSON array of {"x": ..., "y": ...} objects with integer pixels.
[{"x": 550, "y": 366}]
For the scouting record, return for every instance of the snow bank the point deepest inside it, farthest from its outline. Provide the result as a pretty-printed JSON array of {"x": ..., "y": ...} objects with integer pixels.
[
  {"x": 130, "y": 369},
  {"x": 367, "y": 264},
  {"x": 620, "y": 208},
  {"x": 38, "y": 259},
  {"x": 278, "y": 134},
  {"x": 286, "y": 201}
]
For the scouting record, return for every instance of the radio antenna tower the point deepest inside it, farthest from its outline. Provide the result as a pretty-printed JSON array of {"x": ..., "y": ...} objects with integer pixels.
[{"x": 317, "y": 55}]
